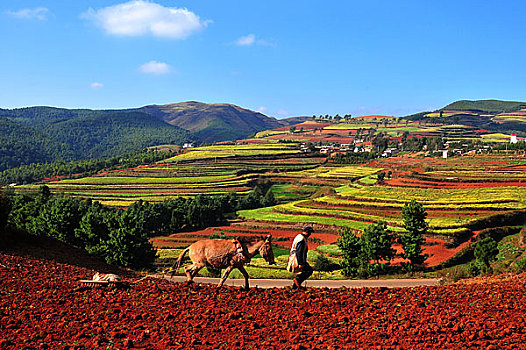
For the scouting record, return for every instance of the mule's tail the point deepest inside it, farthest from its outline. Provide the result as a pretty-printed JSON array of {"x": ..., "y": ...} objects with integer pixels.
[{"x": 177, "y": 264}]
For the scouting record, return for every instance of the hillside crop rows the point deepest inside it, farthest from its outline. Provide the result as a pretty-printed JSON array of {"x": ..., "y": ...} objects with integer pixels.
[
  {"x": 168, "y": 180},
  {"x": 221, "y": 151}
]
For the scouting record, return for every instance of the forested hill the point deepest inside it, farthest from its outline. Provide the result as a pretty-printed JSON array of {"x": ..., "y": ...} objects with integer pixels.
[
  {"x": 47, "y": 134},
  {"x": 214, "y": 122},
  {"x": 501, "y": 116},
  {"x": 486, "y": 106}
]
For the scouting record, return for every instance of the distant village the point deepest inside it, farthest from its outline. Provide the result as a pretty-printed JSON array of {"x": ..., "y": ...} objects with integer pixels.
[{"x": 360, "y": 146}]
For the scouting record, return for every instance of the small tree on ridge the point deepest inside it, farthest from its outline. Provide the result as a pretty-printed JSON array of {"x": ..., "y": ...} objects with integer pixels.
[{"x": 414, "y": 216}]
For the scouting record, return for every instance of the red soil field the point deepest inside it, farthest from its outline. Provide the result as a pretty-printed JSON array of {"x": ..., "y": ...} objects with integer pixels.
[
  {"x": 437, "y": 252},
  {"x": 41, "y": 307},
  {"x": 308, "y": 125},
  {"x": 327, "y": 238},
  {"x": 410, "y": 182}
]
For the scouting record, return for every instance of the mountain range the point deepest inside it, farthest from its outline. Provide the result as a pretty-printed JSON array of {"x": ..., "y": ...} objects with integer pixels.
[{"x": 46, "y": 134}]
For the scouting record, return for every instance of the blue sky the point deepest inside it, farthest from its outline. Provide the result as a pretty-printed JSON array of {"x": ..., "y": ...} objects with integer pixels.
[{"x": 284, "y": 58}]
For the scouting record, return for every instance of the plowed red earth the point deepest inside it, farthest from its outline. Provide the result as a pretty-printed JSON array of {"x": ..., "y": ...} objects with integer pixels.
[
  {"x": 323, "y": 237},
  {"x": 41, "y": 307}
]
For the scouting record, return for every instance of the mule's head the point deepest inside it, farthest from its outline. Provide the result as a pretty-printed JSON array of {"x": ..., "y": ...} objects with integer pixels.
[{"x": 266, "y": 251}]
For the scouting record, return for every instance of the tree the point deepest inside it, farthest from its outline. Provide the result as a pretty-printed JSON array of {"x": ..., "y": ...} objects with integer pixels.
[
  {"x": 94, "y": 229},
  {"x": 486, "y": 250},
  {"x": 128, "y": 243},
  {"x": 381, "y": 176},
  {"x": 414, "y": 216},
  {"x": 5, "y": 208},
  {"x": 58, "y": 218},
  {"x": 269, "y": 199},
  {"x": 377, "y": 241},
  {"x": 349, "y": 244},
  {"x": 292, "y": 129}
]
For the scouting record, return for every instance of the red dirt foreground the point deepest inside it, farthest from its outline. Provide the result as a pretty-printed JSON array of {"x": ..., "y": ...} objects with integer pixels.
[{"x": 42, "y": 307}]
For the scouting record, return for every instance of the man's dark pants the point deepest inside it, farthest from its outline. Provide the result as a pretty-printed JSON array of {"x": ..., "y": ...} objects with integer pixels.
[{"x": 305, "y": 273}]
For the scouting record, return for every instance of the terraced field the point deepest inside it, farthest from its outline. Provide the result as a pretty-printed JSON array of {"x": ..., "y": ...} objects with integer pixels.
[
  {"x": 458, "y": 194},
  {"x": 248, "y": 150},
  {"x": 188, "y": 176}
]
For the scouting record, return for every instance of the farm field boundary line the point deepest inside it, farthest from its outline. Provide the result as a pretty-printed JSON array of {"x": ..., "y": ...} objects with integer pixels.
[{"x": 283, "y": 283}]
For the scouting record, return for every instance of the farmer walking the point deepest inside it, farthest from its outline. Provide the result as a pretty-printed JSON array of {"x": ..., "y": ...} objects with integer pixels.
[{"x": 298, "y": 257}]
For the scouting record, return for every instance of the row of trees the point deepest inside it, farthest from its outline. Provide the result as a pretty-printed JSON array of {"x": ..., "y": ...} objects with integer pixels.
[
  {"x": 371, "y": 253},
  {"x": 120, "y": 237}
]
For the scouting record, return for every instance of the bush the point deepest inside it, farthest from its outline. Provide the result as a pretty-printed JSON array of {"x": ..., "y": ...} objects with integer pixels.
[
  {"x": 486, "y": 250},
  {"x": 117, "y": 236},
  {"x": 520, "y": 265},
  {"x": 322, "y": 263},
  {"x": 475, "y": 268},
  {"x": 5, "y": 208},
  {"x": 455, "y": 273},
  {"x": 213, "y": 272}
]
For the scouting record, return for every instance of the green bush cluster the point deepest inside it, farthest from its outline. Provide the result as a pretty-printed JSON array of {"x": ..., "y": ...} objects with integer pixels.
[
  {"x": 371, "y": 253},
  {"x": 119, "y": 237}
]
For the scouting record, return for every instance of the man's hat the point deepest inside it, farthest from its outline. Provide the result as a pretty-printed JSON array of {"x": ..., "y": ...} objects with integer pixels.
[{"x": 308, "y": 228}]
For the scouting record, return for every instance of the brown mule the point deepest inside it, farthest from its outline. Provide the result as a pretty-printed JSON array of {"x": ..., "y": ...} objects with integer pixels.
[{"x": 224, "y": 254}]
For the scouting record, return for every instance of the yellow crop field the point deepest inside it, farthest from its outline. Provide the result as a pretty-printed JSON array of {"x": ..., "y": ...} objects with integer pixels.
[
  {"x": 222, "y": 151},
  {"x": 496, "y": 137},
  {"x": 351, "y": 171},
  {"x": 434, "y": 195}
]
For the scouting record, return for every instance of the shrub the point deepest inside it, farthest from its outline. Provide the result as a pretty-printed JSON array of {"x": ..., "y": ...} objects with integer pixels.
[
  {"x": 486, "y": 250},
  {"x": 5, "y": 208},
  {"x": 322, "y": 263},
  {"x": 213, "y": 272},
  {"x": 520, "y": 265}
]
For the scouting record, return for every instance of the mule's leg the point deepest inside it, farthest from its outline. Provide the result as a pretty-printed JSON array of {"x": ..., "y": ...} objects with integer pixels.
[
  {"x": 225, "y": 276},
  {"x": 245, "y": 274},
  {"x": 187, "y": 270},
  {"x": 192, "y": 270}
]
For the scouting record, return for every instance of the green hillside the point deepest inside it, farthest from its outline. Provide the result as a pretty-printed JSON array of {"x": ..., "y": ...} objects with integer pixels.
[
  {"x": 489, "y": 106},
  {"x": 46, "y": 134},
  {"x": 499, "y": 116}
]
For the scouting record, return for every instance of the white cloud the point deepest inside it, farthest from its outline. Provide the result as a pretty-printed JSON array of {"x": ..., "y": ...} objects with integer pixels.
[
  {"x": 39, "y": 13},
  {"x": 156, "y": 68},
  {"x": 246, "y": 40},
  {"x": 140, "y": 18},
  {"x": 262, "y": 109},
  {"x": 95, "y": 85},
  {"x": 283, "y": 113}
]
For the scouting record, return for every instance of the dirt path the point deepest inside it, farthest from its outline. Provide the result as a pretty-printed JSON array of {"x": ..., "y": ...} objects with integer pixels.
[{"x": 281, "y": 283}]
